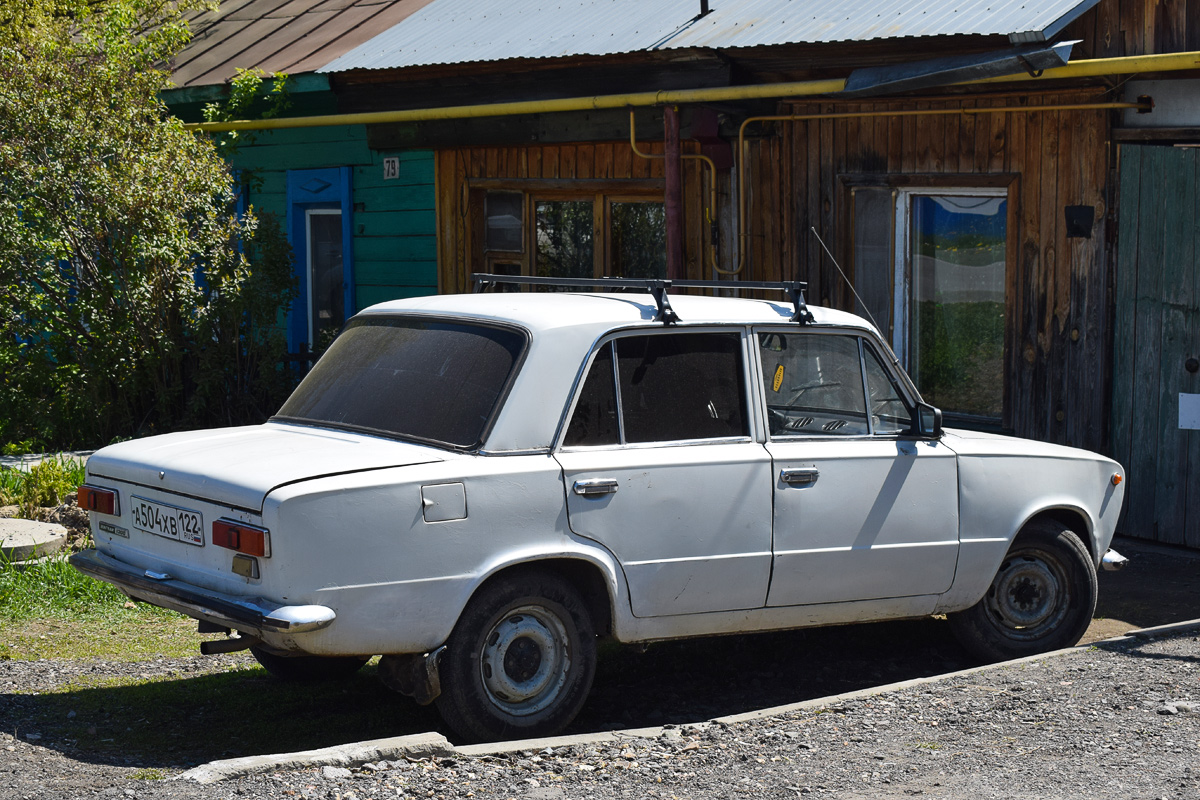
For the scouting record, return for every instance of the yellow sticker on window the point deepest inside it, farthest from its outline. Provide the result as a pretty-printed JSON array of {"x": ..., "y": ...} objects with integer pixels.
[{"x": 775, "y": 384}]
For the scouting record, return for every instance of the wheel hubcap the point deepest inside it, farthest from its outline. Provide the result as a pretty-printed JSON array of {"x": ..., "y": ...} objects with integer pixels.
[
  {"x": 524, "y": 660},
  {"x": 1028, "y": 595}
]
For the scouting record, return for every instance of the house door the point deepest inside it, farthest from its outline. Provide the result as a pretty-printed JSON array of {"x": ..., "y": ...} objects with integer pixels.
[{"x": 1156, "y": 367}]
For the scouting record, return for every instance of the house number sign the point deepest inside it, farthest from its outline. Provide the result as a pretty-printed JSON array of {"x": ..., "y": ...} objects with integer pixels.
[{"x": 391, "y": 168}]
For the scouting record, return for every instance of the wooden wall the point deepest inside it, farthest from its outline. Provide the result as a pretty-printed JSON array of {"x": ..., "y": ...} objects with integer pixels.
[
  {"x": 465, "y": 174},
  {"x": 1136, "y": 27},
  {"x": 394, "y": 224},
  {"x": 1059, "y": 293}
]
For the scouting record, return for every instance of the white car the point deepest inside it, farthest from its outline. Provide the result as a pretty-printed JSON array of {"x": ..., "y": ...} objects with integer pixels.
[{"x": 476, "y": 487}]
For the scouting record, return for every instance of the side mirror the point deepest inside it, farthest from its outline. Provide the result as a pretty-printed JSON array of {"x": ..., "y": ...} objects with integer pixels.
[{"x": 929, "y": 421}]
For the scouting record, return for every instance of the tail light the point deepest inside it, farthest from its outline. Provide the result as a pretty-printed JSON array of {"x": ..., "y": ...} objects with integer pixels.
[
  {"x": 249, "y": 539},
  {"x": 102, "y": 501}
]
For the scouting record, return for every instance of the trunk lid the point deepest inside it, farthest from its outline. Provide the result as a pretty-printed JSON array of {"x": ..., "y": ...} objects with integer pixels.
[{"x": 239, "y": 467}]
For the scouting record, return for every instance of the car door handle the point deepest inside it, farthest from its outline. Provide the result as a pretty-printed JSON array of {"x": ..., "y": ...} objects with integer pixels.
[
  {"x": 595, "y": 487},
  {"x": 799, "y": 477}
]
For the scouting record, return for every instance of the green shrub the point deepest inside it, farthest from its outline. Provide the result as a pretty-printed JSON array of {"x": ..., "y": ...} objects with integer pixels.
[{"x": 134, "y": 298}]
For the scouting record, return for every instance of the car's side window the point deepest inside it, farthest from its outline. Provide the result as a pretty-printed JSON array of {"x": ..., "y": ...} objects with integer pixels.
[
  {"x": 682, "y": 386},
  {"x": 813, "y": 384},
  {"x": 595, "y": 419},
  {"x": 889, "y": 413}
]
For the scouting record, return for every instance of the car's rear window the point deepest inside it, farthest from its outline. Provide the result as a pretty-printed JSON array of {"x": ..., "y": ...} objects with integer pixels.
[{"x": 425, "y": 379}]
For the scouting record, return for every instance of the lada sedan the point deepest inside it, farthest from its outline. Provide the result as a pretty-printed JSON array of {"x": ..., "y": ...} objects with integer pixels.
[{"x": 477, "y": 487}]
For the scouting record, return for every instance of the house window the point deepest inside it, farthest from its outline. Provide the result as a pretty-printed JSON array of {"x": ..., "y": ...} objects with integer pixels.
[
  {"x": 326, "y": 284},
  {"x": 574, "y": 235},
  {"x": 930, "y": 267},
  {"x": 319, "y": 219}
]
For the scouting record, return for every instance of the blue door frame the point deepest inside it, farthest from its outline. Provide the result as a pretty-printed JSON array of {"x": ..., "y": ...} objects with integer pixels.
[{"x": 309, "y": 189}]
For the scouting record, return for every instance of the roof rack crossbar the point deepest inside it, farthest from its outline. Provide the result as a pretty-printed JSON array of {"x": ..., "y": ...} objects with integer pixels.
[{"x": 655, "y": 286}]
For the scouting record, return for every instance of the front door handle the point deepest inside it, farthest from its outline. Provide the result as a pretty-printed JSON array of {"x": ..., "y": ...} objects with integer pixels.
[
  {"x": 799, "y": 477},
  {"x": 595, "y": 487}
]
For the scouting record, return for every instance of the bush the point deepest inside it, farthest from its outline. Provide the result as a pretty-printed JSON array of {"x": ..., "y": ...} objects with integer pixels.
[{"x": 133, "y": 296}]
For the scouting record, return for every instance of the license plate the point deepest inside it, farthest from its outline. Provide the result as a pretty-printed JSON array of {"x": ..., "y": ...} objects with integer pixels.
[{"x": 169, "y": 521}]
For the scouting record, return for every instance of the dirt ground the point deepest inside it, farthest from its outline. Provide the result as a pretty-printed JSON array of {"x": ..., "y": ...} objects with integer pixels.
[{"x": 1160, "y": 585}]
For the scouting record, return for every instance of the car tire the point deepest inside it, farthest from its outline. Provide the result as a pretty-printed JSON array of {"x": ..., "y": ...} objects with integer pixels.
[
  {"x": 1041, "y": 599},
  {"x": 520, "y": 661},
  {"x": 308, "y": 668}
]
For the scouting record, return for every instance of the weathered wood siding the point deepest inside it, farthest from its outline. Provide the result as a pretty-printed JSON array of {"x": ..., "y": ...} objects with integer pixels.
[
  {"x": 394, "y": 221},
  {"x": 463, "y": 174},
  {"x": 1157, "y": 330},
  {"x": 1136, "y": 27},
  {"x": 1058, "y": 293}
]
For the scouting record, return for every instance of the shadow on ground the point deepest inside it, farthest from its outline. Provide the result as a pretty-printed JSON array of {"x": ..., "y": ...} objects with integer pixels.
[{"x": 184, "y": 721}]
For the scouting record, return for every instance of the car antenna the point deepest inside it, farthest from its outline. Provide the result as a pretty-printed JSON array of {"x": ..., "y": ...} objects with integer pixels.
[{"x": 847, "y": 280}]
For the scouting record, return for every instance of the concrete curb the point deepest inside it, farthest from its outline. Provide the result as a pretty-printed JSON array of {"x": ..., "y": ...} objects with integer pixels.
[
  {"x": 419, "y": 745},
  {"x": 434, "y": 744}
]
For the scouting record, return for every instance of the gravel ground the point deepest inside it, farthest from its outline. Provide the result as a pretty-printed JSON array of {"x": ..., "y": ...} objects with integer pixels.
[{"x": 1118, "y": 720}]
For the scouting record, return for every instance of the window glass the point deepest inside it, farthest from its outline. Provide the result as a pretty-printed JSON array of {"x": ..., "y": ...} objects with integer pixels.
[
  {"x": 813, "y": 384},
  {"x": 639, "y": 240},
  {"x": 595, "y": 418},
  {"x": 957, "y": 339},
  {"x": 430, "y": 380},
  {"x": 327, "y": 312},
  {"x": 564, "y": 238},
  {"x": 889, "y": 412},
  {"x": 505, "y": 213},
  {"x": 874, "y": 211},
  {"x": 682, "y": 386}
]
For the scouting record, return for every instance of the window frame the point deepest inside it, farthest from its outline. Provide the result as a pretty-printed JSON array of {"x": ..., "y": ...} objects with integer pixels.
[
  {"x": 601, "y": 193},
  {"x": 749, "y": 371},
  {"x": 864, "y": 342},
  {"x": 904, "y": 187}
]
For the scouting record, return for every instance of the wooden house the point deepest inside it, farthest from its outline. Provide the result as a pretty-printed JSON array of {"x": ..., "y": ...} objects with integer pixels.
[{"x": 1024, "y": 232}]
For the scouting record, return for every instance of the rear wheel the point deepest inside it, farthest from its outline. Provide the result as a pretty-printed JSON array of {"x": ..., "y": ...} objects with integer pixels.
[
  {"x": 520, "y": 661},
  {"x": 308, "y": 668},
  {"x": 1041, "y": 599}
]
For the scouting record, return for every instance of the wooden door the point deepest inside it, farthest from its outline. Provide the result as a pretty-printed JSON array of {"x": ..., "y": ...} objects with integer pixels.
[{"x": 1156, "y": 367}]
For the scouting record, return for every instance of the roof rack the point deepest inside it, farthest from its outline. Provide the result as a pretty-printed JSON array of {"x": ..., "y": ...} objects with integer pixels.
[{"x": 655, "y": 286}]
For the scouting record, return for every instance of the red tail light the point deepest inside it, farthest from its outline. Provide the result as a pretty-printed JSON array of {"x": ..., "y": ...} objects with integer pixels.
[
  {"x": 102, "y": 501},
  {"x": 249, "y": 539}
]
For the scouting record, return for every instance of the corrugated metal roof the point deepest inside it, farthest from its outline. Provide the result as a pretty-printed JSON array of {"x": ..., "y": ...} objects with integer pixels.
[
  {"x": 461, "y": 31},
  {"x": 292, "y": 36}
]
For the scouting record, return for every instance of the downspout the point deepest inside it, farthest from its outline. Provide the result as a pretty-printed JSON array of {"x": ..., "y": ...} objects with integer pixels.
[
  {"x": 673, "y": 193},
  {"x": 711, "y": 208}
]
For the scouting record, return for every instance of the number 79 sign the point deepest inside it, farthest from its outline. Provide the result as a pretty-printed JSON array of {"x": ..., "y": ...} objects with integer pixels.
[{"x": 391, "y": 168}]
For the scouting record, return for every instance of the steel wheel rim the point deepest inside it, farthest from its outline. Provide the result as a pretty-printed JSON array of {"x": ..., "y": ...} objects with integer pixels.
[
  {"x": 1029, "y": 596},
  {"x": 524, "y": 660}
]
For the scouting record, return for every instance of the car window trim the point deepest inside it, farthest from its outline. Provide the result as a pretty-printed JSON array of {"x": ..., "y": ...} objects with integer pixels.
[
  {"x": 863, "y": 344},
  {"x": 501, "y": 397},
  {"x": 609, "y": 339}
]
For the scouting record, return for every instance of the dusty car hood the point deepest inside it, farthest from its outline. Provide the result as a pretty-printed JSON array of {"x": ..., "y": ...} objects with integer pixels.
[
  {"x": 240, "y": 466},
  {"x": 978, "y": 443}
]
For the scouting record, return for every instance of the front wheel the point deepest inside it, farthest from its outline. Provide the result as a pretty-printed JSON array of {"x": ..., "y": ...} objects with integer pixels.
[
  {"x": 520, "y": 661},
  {"x": 1041, "y": 599}
]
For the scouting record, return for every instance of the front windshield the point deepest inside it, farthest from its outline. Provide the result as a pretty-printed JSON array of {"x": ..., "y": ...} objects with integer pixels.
[{"x": 410, "y": 377}]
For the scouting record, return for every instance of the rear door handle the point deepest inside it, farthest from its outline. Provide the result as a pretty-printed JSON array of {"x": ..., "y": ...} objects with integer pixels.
[
  {"x": 799, "y": 477},
  {"x": 595, "y": 487}
]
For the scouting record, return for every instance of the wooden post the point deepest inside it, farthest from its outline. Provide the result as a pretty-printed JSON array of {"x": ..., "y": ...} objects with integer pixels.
[{"x": 673, "y": 193}]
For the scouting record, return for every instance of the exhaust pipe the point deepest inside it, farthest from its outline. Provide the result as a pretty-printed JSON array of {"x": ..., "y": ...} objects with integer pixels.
[{"x": 231, "y": 645}]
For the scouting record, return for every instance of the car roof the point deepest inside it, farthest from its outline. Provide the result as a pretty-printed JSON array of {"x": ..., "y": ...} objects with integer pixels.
[
  {"x": 601, "y": 312},
  {"x": 565, "y": 326}
]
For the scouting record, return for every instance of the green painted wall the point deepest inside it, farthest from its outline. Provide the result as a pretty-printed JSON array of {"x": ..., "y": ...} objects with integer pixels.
[{"x": 395, "y": 232}]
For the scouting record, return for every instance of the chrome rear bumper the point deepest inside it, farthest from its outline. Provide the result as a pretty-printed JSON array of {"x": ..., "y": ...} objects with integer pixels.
[{"x": 253, "y": 615}]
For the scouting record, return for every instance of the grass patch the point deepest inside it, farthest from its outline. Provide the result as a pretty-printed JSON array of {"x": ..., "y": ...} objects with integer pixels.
[
  {"x": 51, "y": 610},
  {"x": 45, "y": 484}
]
